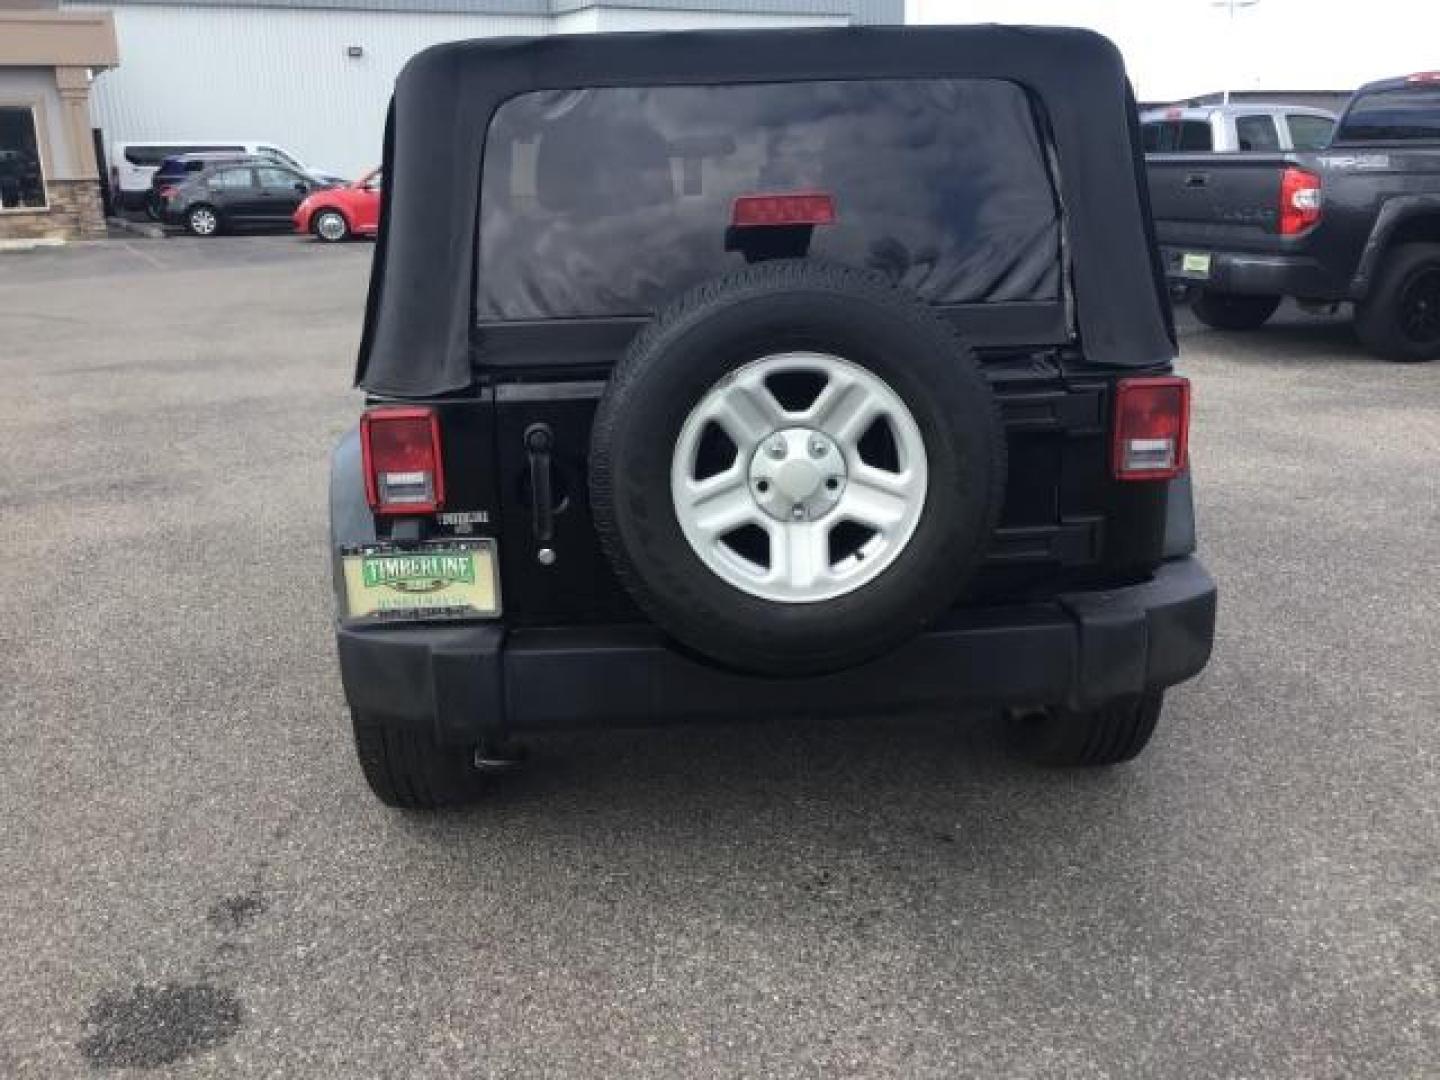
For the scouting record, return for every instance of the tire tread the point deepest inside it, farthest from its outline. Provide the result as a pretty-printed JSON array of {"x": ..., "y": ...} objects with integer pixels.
[{"x": 408, "y": 770}]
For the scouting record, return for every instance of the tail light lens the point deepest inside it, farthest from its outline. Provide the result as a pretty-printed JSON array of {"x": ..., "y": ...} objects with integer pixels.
[
  {"x": 1299, "y": 201},
  {"x": 1152, "y": 428},
  {"x": 784, "y": 208},
  {"x": 167, "y": 191},
  {"x": 404, "y": 473}
]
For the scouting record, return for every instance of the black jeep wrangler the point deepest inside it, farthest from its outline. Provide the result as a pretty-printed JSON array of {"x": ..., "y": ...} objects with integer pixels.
[{"x": 734, "y": 374}]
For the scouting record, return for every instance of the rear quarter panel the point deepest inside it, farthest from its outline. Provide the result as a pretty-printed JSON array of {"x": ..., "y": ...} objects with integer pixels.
[{"x": 1369, "y": 193}]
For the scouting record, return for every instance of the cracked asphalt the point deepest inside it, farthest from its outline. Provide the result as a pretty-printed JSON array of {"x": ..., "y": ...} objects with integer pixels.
[{"x": 194, "y": 880}]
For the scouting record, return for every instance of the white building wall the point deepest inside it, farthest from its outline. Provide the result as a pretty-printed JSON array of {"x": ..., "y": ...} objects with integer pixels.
[
  {"x": 270, "y": 74},
  {"x": 283, "y": 75},
  {"x": 614, "y": 19}
]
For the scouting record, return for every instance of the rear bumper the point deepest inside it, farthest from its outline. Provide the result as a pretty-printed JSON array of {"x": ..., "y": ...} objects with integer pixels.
[
  {"x": 478, "y": 680},
  {"x": 1254, "y": 275}
]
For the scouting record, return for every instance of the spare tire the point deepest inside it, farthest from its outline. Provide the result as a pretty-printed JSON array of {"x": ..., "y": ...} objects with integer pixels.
[{"x": 796, "y": 467}]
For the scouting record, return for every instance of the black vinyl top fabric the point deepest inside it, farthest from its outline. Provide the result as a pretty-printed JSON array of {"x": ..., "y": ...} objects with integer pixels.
[{"x": 421, "y": 314}]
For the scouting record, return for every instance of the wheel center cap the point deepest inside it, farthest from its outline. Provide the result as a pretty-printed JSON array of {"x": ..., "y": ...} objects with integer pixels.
[
  {"x": 797, "y": 474},
  {"x": 797, "y": 480}
]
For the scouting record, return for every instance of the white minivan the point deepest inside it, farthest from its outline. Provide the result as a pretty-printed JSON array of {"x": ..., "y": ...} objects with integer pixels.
[{"x": 132, "y": 164}]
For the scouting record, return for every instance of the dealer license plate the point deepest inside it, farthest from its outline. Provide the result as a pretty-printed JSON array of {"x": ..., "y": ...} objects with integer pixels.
[
  {"x": 1198, "y": 265},
  {"x": 436, "y": 580}
]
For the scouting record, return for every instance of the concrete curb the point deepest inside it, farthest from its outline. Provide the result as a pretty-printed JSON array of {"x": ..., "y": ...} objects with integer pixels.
[{"x": 18, "y": 247}]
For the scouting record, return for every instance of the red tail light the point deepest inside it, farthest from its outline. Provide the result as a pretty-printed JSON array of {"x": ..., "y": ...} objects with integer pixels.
[
  {"x": 1424, "y": 77},
  {"x": 167, "y": 191},
  {"x": 403, "y": 470},
  {"x": 1152, "y": 428},
  {"x": 1299, "y": 201},
  {"x": 790, "y": 208}
]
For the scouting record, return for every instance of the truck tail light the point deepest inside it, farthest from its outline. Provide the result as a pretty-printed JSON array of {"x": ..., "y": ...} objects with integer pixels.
[
  {"x": 404, "y": 473},
  {"x": 1152, "y": 428},
  {"x": 1299, "y": 201}
]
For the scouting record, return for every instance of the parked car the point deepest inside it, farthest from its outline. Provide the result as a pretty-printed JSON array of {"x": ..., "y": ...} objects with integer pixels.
[
  {"x": 174, "y": 171},
  {"x": 227, "y": 196},
  {"x": 133, "y": 164},
  {"x": 1235, "y": 128},
  {"x": 338, "y": 213},
  {"x": 747, "y": 373},
  {"x": 1357, "y": 222}
]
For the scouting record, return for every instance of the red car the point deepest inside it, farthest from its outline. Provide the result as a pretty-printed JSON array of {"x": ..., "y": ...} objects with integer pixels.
[{"x": 337, "y": 213}]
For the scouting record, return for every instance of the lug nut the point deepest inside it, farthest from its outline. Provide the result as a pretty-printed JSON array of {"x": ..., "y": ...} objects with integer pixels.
[
  {"x": 818, "y": 448},
  {"x": 798, "y": 513},
  {"x": 776, "y": 449}
]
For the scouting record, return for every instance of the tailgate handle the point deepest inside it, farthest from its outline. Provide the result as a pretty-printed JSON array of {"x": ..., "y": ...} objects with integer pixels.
[
  {"x": 539, "y": 441},
  {"x": 1196, "y": 179}
]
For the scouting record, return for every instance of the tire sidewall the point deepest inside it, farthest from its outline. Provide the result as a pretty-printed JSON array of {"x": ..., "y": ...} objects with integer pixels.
[
  {"x": 1378, "y": 317},
  {"x": 190, "y": 221},
  {"x": 345, "y": 226},
  {"x": 899, "y": 341},
  {"x": 1233, "y": 311}
]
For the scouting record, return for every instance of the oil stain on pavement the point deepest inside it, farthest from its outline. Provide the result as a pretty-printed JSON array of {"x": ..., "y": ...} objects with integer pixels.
[
  {"x": 149, "y": 1026},
  {"x": 238, "y": 911}
]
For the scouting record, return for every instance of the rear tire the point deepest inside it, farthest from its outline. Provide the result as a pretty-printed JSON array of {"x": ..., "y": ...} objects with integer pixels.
[
  {"x": 1400, "y": 318},
  {"x": 1116, "y": 731},
  {"x": 1232, "y": 311},
  {"x": 407, "y": 769},
  {"x": 202, "y": 220}
]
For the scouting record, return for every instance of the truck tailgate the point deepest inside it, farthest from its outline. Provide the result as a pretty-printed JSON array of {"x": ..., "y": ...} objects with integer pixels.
[{"x": 1229, "y": 201}]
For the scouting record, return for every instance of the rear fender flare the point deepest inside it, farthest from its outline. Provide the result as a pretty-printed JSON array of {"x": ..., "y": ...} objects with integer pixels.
[
  {"x": 1393, "y": 214},
  {"x": 351, "y": 523}
]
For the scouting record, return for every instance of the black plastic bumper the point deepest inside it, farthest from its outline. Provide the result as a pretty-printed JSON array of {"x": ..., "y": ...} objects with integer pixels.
[
  {"x": 471, "y": 681},
  {"x": 1255, "y": 275}
]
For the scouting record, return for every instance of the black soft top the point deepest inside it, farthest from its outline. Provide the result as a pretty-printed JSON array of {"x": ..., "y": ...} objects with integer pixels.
[{"x": 419, "y": 316}]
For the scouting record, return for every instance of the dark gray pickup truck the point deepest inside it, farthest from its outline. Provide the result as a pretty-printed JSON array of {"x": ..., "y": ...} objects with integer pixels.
[{"x": 1356, "y": 222}]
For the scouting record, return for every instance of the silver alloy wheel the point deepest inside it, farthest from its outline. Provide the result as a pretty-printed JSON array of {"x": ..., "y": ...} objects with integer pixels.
[
  {"x": 331, "y": 226},
  {"x": 203, "y": 221},
  {"x": 834, "y": 513}
]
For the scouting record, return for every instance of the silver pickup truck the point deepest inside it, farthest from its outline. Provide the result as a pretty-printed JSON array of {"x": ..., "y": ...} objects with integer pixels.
[{"x": 1232, "y": 128}]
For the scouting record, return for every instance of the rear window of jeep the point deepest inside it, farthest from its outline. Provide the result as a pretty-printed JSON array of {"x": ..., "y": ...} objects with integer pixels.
[{"x": 608, "y": 202}]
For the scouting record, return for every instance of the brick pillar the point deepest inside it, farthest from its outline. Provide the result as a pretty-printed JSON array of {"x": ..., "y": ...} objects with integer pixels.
[{"x": 78, "y": 195}]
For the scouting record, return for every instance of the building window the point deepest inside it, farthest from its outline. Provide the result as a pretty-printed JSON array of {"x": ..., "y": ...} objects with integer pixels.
[{"x": 22, "y": 183}]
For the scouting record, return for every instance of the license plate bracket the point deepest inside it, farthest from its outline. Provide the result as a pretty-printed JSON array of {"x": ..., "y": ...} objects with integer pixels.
[{"x": 446, "y": 580}]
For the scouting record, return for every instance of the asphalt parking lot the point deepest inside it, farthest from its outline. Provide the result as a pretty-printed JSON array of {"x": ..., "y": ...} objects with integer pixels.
[{"x": 192, "y": 872}]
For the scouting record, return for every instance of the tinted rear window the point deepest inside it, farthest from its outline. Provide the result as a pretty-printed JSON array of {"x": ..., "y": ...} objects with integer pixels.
[
  {"x": 1411, "y": 114},
  {"x": 1167, "y": 136},
  {"x": 608, "y": 202},
  {"x": 1310, "y": 132},
  {"x": 1257, "y": 132}
]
